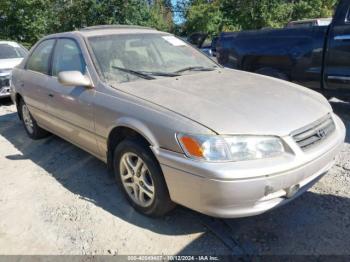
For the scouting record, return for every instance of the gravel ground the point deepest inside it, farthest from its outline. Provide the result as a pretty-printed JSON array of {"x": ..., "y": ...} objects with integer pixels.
[{"x": 57, "y": 199}]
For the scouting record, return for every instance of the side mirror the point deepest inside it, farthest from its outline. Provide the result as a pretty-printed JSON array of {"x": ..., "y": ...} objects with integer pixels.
[{"x": 74, "y": 78}]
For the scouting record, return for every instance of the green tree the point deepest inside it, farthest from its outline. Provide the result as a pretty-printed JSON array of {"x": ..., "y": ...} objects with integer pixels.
[
  {"x": 252, "y": 14},
  {"x": 81, "y": 13},
  {"x": 313, "y": 9},
  {"x": 24, "y": 20},
  {"x": 202, "y": 16},
  {"x": 28, "y": 20},
  {"x": 161, "y": 15},
  {"x": 214, "y": 16}
]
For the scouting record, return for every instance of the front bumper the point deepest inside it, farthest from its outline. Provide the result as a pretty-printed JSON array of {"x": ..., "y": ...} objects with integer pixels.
[
  {"x": 248, "y": 188},
  {"x": 5, "y": 92},
  {"x": 4, "y": 86}
]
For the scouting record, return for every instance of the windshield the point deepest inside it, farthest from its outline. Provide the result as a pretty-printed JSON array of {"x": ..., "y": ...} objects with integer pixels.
[
  {"x": 11, "y": 50},
  {"x": 129, "y": 57}
]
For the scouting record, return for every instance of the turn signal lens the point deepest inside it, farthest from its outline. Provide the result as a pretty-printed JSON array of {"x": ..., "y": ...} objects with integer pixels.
[
  {"x": 191, "y": 146},
  {"x": 205, "y": 147}
]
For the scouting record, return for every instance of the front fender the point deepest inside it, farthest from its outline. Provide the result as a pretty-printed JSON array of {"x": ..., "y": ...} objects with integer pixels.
[{"x": 137, "y": 126}]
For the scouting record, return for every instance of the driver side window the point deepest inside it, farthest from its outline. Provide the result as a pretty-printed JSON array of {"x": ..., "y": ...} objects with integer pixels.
[{"x": 67, "y": 57}]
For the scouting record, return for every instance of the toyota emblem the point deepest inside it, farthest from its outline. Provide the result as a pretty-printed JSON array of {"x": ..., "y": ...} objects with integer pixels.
[{"x": 321, "y": 133}]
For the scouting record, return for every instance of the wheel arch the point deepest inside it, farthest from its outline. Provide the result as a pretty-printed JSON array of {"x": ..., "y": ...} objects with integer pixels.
[
  {"x": 128, "y": 128},
  {"x": 18, "y": 98}
]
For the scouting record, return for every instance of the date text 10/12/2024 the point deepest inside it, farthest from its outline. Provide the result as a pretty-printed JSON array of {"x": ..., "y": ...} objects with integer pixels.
[{"x": 173, "y": 258}]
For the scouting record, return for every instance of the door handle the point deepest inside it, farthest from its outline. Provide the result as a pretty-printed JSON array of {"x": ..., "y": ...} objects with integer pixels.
[
  {"x": 51, "y": 95},
  {"x": 342, "y": 37}
]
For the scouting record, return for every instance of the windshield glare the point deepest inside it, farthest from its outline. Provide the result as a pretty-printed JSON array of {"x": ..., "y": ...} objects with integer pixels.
[
  {"x": 9, "y": 51},
  {"x": 147, "y": 53}
]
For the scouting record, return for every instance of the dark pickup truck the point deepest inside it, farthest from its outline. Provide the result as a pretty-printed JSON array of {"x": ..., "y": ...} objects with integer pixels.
[{"x": 317, "y": 57}]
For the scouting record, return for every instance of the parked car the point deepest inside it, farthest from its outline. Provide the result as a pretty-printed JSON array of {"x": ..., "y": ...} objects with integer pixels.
[
  {"x": 11, "y": 54},
  {"x": 317, "y": 57},
  {"x": 173, "y": 125},
  {"x": 310, "y": 22}
]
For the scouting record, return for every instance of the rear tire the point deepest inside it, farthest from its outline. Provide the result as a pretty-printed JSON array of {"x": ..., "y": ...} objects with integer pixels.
[
  {"x": 30, "y": 125},
  {"x": 267, "y": 71},
  {"x": 140, "y": 177}
]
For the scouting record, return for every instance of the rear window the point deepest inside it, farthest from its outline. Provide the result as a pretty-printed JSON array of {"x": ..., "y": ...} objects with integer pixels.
[{"x": 11, "y": 50}]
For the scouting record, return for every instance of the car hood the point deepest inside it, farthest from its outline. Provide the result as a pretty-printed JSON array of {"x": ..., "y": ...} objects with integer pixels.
[
  {"x": 235, "y": 102},
  {"x": 10, "y": 63}
]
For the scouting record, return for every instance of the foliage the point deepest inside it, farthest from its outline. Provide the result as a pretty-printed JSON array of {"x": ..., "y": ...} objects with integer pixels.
[
  {"x": 313, "y": 8},
  {"x": 161, "y": 15},
  {"x": 27, "y": 21},
  {"x": 204, "y": 17},
  {"x": 213, "y": 16},
  {"x": 23, "y": 20},
  {"x": 251, "y": 14}
]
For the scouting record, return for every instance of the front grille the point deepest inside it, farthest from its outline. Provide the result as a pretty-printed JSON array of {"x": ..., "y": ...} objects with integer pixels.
[
  {"x": 4, "y": 82},
  {"x": 313, "y": 134}
]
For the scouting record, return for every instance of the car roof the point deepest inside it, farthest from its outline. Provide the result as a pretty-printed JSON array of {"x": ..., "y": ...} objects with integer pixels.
[{"x": 107, "y": 30}]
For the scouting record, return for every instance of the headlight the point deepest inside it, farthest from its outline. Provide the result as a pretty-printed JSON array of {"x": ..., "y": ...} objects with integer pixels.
[
  {"x": 5, "y": 72},
  {"x": 230, "y": 148}
]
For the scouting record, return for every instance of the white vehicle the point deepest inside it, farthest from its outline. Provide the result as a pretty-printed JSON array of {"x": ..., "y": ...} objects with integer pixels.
[{"x": 11, "y": 55}]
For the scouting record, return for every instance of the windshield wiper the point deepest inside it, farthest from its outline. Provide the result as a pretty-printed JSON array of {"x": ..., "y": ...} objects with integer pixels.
[
  {"x": 161, "y": 74},
  {"x": 136, "y": 73},
  {"x": 195, "y": 68}
]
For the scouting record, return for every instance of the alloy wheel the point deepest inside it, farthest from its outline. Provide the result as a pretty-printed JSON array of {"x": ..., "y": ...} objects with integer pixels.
[
  {"x": 27, "y": 119},
  {"x": 136, "y": 179}
]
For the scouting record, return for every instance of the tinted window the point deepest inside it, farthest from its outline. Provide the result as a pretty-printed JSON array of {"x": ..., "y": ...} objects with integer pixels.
[
  {"x": 40, "y": 58},
  {"x": 11, "y": 50},
  {"x": 67, "y": 57}
]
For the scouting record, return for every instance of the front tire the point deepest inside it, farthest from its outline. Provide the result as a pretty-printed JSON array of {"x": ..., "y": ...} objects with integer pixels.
[
  {"x": 30, "y": 125},
  {"x": 141, "y": 178}
]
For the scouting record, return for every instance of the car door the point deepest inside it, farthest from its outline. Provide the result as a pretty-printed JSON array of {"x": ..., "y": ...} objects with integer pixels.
[
  {"x": 71, "y": 107},
  {"x": 34, "y": 79},
  {"x": 337, "y": 63}
]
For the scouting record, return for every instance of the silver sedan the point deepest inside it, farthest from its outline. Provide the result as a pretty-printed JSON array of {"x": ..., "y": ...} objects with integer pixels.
[
  {"x": 11, "y": 55},
  {"x": 174, "y": 126}
]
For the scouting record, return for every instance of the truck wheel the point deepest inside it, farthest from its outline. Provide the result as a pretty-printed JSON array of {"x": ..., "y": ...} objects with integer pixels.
[
  {"x": 267, "y": 71},
  {"x": 33, "y": 130},
  {"x": 141, "y": 178}
]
